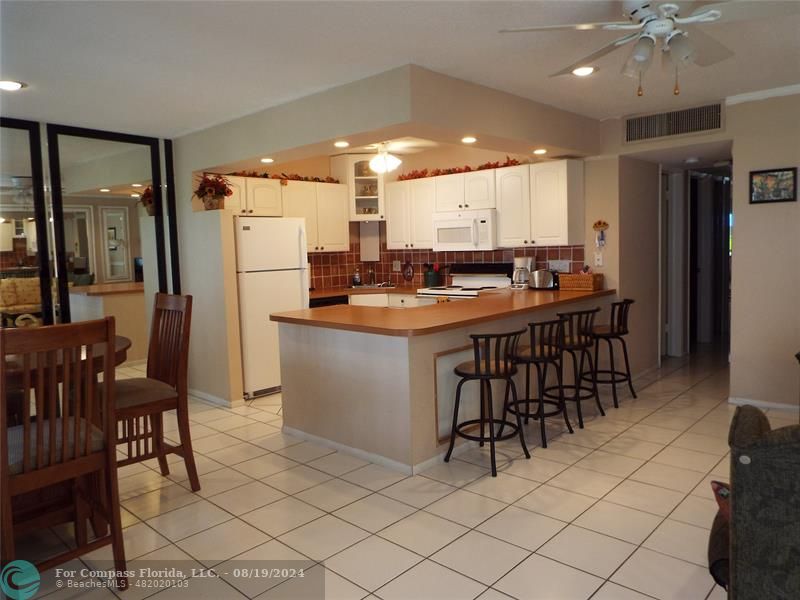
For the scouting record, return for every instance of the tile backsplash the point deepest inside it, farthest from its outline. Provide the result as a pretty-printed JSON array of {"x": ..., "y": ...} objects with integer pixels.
[{"x": 335, "y": 269}]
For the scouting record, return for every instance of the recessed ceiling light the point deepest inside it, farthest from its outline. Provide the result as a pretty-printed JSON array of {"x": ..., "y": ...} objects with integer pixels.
[
  {"x": 135, "y": 196},
  {"x": 692, "y": 160},
  {"x": 12, "y": 86},
  {"x": 31, "y": 218},
  {"x": 267, "y": 161},
  {"x": 136, "y": 185},
  {"x": 469, "y": 139},
  {"x": 341, "y": 144},
  {"x": 540, "y": 151},
  {"x": 583, "y": 71},
  {"x": 104, "y": 190}
]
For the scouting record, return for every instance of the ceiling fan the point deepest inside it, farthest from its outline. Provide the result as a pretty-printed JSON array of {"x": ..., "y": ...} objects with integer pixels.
[{"x": 651, "y": 23}]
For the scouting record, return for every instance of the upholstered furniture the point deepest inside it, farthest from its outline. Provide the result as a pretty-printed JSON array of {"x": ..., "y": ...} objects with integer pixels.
[
  {"x": 65, "y": 438},
  {"x": 758, "y": 554},
  {"x": 20, "y": 295}
]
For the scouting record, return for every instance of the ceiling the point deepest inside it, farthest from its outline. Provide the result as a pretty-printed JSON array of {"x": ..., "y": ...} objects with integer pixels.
[{"x": 167, "y": 68}]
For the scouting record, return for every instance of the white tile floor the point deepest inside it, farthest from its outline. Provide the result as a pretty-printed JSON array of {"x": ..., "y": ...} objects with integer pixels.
[{"x": 618, "y": 510}]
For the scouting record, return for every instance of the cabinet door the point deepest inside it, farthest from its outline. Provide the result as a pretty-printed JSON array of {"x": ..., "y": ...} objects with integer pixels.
[
  {"x": 513, "y": 206},
  {"x": 397, "y": 215},
  {"x": 449, "y": 192},
  {"x": 422, "y": 193},
  {"x": 333, "y": 217},
  {"x": 264, "y": 197},
  {"x": 549, "y": 203},
  {"x": 479, "y": 189},
  {"x": 381, "y": 300},
  {"x": 236, "y": 201},
  {"x": 300, "y": 200}
]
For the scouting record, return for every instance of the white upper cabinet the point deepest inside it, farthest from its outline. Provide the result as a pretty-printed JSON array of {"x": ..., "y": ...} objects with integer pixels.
[
  {"x": 238, "y": 199},
  {"x": 422, "y": 194},
  {"x": 333, "y": 224},
  {"x": 449, "y": 192},
  {"x": 513, "y": 199},
  {"x": 365, "y": 187},
  {"x": 254, "y": 196},
  {"x": 479, "y": 189},
  {"x": 264, "y": 197},
  {"x": 398, "y": 205},
  {"x": 324, "y": 206},
  {"x": 557, "y": 204},
  {"x": 409, "y": 214}
]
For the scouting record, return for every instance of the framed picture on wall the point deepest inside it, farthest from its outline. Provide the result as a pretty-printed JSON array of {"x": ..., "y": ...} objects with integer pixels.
[{"x": 773, "y": 185}]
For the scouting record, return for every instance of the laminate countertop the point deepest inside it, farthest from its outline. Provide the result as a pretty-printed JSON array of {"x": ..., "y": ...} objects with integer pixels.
[
  {"x": 107, "y": 289},
  {"x": 349, "y": 291},
  {"x": 424, "y": 320}
]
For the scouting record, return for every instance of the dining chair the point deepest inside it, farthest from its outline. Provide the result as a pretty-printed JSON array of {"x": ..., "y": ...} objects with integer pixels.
[
  {"x": 65, "y": 437},
  {"x": 142, "y": 401}
]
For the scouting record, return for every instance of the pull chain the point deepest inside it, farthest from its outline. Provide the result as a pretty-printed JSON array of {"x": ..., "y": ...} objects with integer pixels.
[
  {"x": 640, "y": 91},
  {"x": 677, "y": 89}
]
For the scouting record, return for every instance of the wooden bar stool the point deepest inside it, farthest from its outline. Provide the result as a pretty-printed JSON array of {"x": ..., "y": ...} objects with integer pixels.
[
  {"x": 617, "y": 329},
  {"x": 493, "y": 359},
  {"x": 547, "y": 341},
  {"x": 577, "y": 342}
]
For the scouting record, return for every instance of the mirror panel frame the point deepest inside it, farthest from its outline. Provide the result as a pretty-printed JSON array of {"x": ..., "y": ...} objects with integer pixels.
[
  {"x": 53, "y": 131},
  {"x": 42, "y": 235}
]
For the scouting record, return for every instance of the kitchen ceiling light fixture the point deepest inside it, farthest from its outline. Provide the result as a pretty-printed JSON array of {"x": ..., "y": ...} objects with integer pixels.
[
  {"x": 692, "y": 160},
  {"x": 267, "y": 161},
  {"x": 383, "y": 162},
  {"x": 105, "y": 190},
  {"x": 135, "y": 195},
  {"x": 136, "y": 185},
  {"x": 583, "y": 71},
  {"x": 469, "y": 139},
  {"x": 540, "y": 151},
  {"x": 12, "y": 86},
  {"x": 341, "y": 144}
]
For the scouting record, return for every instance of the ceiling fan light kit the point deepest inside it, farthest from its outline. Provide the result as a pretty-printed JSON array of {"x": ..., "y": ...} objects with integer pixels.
[
  {"x": 383, "y": 162},
  {"x": 654, "y": 23}
]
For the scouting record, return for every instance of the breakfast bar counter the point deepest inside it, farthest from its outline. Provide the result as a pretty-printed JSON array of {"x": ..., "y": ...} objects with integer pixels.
[{"x": 378, "y": 382}]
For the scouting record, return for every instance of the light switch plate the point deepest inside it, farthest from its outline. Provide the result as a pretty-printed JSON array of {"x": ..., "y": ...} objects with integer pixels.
[
  {"x": 396, "y": 266},
  {"x": 598, "y": 259},
  {"x": 562, "y": 266}
]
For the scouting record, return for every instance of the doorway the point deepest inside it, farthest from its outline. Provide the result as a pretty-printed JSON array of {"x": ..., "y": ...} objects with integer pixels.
[{"x": 710, "y": 254}]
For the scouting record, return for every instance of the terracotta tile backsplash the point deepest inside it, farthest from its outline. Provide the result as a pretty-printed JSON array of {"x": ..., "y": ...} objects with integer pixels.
[{"x": 335, "y": 269}]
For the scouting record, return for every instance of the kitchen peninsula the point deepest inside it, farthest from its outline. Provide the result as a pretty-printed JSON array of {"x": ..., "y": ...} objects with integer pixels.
[{"x": 378, "y": 382}]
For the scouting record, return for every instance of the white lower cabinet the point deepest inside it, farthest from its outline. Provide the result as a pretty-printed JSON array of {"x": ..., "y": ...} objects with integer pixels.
[
  {"x": 409, "y": 214},
  {"x": 381, "y": 300},
  {"x": 325, "y": 207},
  {"x": 390, "y": 300}
]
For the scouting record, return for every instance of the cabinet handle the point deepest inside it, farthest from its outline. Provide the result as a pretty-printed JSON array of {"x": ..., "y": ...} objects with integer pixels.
[
  {"x": 466, "y": 206},
  {"x": 322, "y": 247},
  {"x": 459, "y": 206},
  {"x": 251, "y": 210},
  {"x": 525, "y": 242},
  {"x": 406, "y": 245},
  {"x": 316, "y": 247},
  {"x": 381, "y": 216},
  {"x": 242, "y": 211},
  {"x": 412, "y": 245}
]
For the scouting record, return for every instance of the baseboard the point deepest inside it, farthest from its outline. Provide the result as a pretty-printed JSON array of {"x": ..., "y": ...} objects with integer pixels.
[
  {"x": 142, "y": 362},
  {"x": 439, "y": 458},
  {"x": 790, "y": 408},
  {"x": 362, "y": 454},
  {"x": 213, "y": 399}
]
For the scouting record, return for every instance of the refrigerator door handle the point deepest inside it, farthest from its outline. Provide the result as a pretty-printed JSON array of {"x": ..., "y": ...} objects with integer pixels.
[{"x": 305, "y": 283}]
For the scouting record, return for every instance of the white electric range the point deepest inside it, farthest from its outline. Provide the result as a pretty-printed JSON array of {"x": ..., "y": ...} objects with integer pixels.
[{"x": 472, "y": 280}]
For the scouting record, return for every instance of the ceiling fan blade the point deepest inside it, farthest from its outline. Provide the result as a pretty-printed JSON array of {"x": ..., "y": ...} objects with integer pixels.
[
  {"x": 607, "y": 49},
  {"x": 575, "y": 27},
  {"x": 741, "y": 10},
  {"x": 707, "y": 50}
]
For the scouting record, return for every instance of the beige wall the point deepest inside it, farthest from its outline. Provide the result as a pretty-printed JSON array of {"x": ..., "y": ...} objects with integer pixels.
[
  {"x": 639, "y": 184},
  {"x": 765, "y": 319},
  {"x": 601, "y": 195}
]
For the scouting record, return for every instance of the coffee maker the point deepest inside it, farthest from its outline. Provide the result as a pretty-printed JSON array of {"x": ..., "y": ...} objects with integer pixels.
[{"x": 522, "y": 273}]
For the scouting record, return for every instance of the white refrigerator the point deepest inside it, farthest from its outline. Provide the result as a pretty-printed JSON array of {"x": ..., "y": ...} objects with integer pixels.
[{"x": 272, "y": 274}]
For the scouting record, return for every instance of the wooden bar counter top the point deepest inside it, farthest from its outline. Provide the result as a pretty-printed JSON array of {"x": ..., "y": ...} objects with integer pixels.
[{"x": 424, "y": 320}]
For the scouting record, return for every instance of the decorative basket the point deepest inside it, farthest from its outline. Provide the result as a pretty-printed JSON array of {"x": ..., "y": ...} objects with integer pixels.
[{"x": 588, "y": 282}]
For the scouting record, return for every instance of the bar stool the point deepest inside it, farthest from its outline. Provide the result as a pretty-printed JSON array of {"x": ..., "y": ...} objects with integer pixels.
[
  {"x": 493, "y": 359},
  {"x": 547, "y": 341},
  {"x": 617, "y": 329},
  {"x": 578, "y": 341}
]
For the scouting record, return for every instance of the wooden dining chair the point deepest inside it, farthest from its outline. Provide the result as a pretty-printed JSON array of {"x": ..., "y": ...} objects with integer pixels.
[
  {"x": 142, "y": 401},
  {"x": 66, "y": 437}
]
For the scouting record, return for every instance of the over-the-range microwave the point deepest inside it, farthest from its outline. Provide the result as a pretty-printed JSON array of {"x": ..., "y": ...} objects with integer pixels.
[{"x": 465, "y": 230}]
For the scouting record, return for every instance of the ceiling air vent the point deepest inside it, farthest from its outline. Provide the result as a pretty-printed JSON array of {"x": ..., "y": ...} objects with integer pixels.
[{"x": 676, "y": 122}]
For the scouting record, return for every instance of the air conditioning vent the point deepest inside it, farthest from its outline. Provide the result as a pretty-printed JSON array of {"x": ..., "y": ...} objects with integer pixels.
[{"x": 676, "y": 122}]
